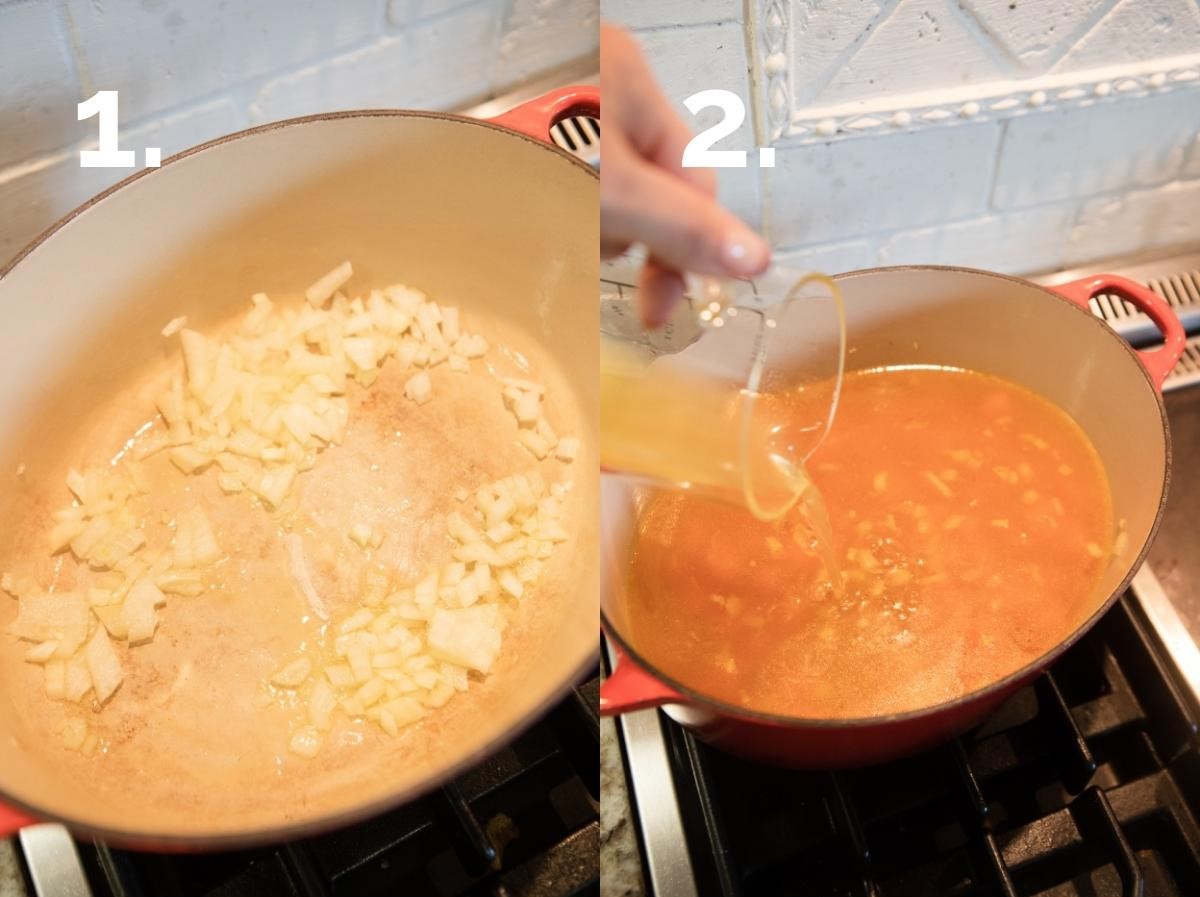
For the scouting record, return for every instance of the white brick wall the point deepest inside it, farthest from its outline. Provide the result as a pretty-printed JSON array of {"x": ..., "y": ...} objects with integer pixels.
[
  {"x": 39, "y": 81},
  {"x": 160, "y": 52},
  {"x": 851, "y": 187},
  {"x": 1015, "y": 136},
  {"x": 191, "y": 70},
  {"x": 412, "y": 68},
  {"x": 541, "y": 32},
  {"x": 676, "y": 53},
  {"x": 36, "y": 194},
  {"x": 1099, "y": 149},
  {"x": 1123, "y": 223},
  {"x": 1028, "y": 240},
  {"x": 640, "y": 14}
]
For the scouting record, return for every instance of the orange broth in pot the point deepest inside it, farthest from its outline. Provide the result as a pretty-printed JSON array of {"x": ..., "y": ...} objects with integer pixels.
[{"x": 972, "y": 520}]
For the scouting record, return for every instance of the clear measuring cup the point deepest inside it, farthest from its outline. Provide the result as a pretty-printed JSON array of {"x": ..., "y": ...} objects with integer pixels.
[{"x": 735, "y": 413}]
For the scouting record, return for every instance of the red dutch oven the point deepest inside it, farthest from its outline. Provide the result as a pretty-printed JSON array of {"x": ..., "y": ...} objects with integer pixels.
[
  {"x": 489, "y": 213},
  {"x": 1045, "y": 339}
]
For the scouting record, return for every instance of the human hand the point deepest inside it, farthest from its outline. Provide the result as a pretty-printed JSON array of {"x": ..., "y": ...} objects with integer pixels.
[{"x": 648, "y": 197}]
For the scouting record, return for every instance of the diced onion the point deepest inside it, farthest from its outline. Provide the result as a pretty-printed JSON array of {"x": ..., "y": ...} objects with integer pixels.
[
  {"x": 175, "y": 325},
  {"x": 306, "y": 742},
  {"x": 293, "y": 674},
  {"x": 467, "y": 636},
  {"x": 259, "y": 407},
  {"x": 320, "y": 705},
  {"x": 419, "y": 388},
  {"x": 42, "y": 653},
  {"x": 138, "y": 613},
  {"x": 320, "y": 292},
  {"x": 56, "y": 679},
  {"x": 103, "y": 665},
  {"x": 567, "y": 449},
  {"x": 78, "y": 681},
  {"x": 537, "y": 446},
  {"x": 73, "y": 732}
]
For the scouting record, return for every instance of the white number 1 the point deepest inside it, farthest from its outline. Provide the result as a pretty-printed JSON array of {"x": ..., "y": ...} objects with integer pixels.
[
  {"x": 104, "y": 104},
  {"x": 697, "y": 154}
]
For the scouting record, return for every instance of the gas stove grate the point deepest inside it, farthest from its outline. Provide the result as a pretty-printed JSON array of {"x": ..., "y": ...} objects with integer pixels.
[
  {"x": 524, "y": 822},
  {"x": 1187, "y": 371},
  {"x": 580, "y": 135},
  {"x": 1084, "y": 785}
]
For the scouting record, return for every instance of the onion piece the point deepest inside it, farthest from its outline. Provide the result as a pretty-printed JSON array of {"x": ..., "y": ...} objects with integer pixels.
[
  {"x": 363, "y": 535},
  {"x": 61, "y": 616},
  {"x": 537, "y": 446},
  {"x": 104, "y": 667},
  {"x": 78, "y": 681},
  {"x": 73, "y": 732},
  {"x": 322, "y": 290},
  {"x": 321, "y": 704},
  {"x": 292, "y": 675},
  {"x": 138, "y": 613},
  {"x": 528, "y": 408},
  {"x": 511, "y": 584},
  {"x": 567, "y": 449},
  {"x": 274, "y": 485},
  {"x": 197, "y": 358},
  {"x": 306, "y": 742},
  {"x": 42, "y": 653},
  {"x": 189, "y": 459},
  {"x": 419, "y": 388},
  {"x": 174, "y": 325},
  {"x": 468, "y": 637},
  {"x": 56, "y": 679}
]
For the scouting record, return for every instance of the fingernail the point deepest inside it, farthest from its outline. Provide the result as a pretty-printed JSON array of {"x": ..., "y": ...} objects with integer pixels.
[{"x": 745, "y": 252}]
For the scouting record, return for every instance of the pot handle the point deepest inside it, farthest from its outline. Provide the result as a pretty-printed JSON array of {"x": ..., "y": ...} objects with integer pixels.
[
  {"x": 11, "y": 821},
  {"x": 1158, "y": 362},
  {"x": 631, "y": 688},
  {"x": 536, "y": 117}
]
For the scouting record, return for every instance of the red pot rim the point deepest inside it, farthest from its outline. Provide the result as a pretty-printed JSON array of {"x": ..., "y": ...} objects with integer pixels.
[{"x": 1020, "y": 675}]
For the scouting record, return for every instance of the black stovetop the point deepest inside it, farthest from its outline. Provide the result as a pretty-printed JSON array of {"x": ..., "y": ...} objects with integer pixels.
[
  {"x": 524, "y": 822},
  {"x": 1083, "y": 785}
]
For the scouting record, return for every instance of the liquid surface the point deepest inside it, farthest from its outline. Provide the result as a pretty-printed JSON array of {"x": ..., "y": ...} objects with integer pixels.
[{"x": 971, "y": 519}]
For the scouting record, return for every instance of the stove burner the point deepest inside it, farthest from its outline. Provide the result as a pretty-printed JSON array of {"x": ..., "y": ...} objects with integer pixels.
[
  {"x": 523, "y": 822},
  {"x": 1084, "y": 785}
]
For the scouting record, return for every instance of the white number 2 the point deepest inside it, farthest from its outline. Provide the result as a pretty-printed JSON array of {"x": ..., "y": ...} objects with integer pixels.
[
  {"x": 697, "y": 154},
  {"x": 104, "y": 104}
]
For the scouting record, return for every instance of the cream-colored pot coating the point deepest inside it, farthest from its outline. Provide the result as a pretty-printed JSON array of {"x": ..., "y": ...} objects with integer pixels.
[{"x": 494, "y": 223}]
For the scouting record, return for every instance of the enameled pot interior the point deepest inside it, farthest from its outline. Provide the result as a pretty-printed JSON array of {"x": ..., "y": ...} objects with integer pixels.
[
  {"x": 478, "y": 217},
  {"x": 997, "y": 325}
]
